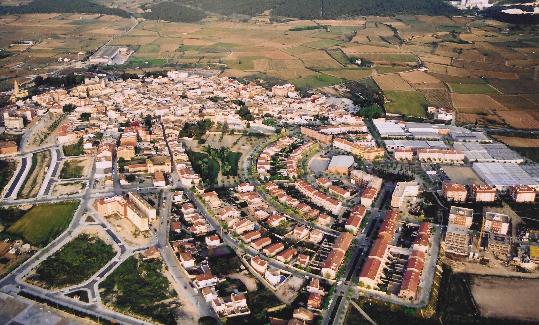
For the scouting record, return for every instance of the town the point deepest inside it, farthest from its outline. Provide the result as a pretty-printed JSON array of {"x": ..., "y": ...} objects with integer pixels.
[{"x": 248, "y": 204}]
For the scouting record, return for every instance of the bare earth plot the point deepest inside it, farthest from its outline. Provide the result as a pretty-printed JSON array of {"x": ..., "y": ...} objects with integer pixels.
[{"x": 507, "y": 297}]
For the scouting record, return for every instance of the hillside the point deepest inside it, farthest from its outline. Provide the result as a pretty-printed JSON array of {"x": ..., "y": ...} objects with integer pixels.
[
  {"x": 64, "y": 6},
  {"x": 195, "y": 10}
]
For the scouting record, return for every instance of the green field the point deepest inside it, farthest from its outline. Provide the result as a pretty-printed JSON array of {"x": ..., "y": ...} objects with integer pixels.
[
  {"x": 71, "y": 169},
  {"x": 140, "y": 287},
  {"x": 76, "y": 149},
  {"x": 74, "y": 263},
  {"x": 472, "y": 88},
  {"x": 44, "y": 222},
  {"x": 316, "y": 81},
  {"x": 409, "y": 103}
]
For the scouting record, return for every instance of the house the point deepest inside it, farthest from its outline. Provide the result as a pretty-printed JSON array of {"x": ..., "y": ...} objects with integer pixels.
[
  {"x": 273, "y": 276},
  {"x": 205, "y": 280},
  {"x": 314, "y": 287},
  {"x": 303, "y": 260},
  {"x": 261, "y": 243},
  {"x": 273, "y": 249},
  {"x": 275, "y": 220},
  {"x": 243, "y": 225},
  {"x": 314, "y": 301},
  {"x": 209, "y": 293},
  {"x": 259, "y": 264},
  {"x": 212, "y": 199},
  {"x": 354, "y": 220},
  {"x": 212, "y": 241},
  {"x": 187, "y": 260},
  {"x": 300, "y": 232},
  {"x": 159, "y": 179},
  {"x": 287, "y": 255},
  {"x": 315, "y": 236},
  {"x": 176, "y": 226},
  {"x": 368, "y": 195},
  {"x": 250, "y": 236},
  {"x": 245, "y": 187}
]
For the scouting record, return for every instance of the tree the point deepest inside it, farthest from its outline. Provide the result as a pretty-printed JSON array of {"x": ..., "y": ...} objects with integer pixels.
[
  {"x": 85, "y": 116},
  {"x": 68, "y": 108}
]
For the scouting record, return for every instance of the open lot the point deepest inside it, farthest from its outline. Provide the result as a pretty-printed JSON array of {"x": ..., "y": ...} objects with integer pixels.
[
  {"x": 462, "y": 175},
  {"x": 513, "y": 298}
]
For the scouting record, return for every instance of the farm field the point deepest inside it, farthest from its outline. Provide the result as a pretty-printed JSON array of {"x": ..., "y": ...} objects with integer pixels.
[
  {"x": 44, "y": 222},
  {"x": 472, "y": 88},
  {"x": 488, "y": 62}
]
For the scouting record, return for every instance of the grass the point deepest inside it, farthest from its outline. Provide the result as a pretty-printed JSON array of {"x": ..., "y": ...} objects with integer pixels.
[
  {"x": 408, "y": 103},
  {"x": 71, "y": 169},
  {"x": 74, "y": 263},
  {"x": 139, "y": 287},
  {"x": 44, "y": 222},
  {"x": 145, "y": 62},
  {"x": 76, "y": 149},
  {"x": 317, "y": 81},
  {"x": 472, "y": 88}
]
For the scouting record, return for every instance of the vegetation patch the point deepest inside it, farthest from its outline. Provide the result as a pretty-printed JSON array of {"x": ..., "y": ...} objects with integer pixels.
[
  {"x": 206, "y": 167},
  {"x": 76, "y": 149},
  {"x": 139, "y": 287},
  {"x": 229, "y": 160},
  {"x": 71, "y": 169},
  {"x": 76, "y": 262},
  {"x": 7, "y": 168},
  {"x": 44, "y": 222},
  {"x": 408, "y": 103},
  {"x": 174, "y": 11},
  {"x": 316, "y": 81}
]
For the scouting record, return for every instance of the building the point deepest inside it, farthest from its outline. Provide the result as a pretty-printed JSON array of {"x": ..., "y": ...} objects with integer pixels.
[
  {"x": 522, "y": 194},
  {"x": 340, "y": 165},
  {"x": 454, "y": 192},
  {"x": 356, "y": 216},
  {"x": 123, "y": 208},
  {"x": 504, "y": 175},
  {"x": 148, "y": 211},
  {"x": 273, "y": 276},
  {"x": 320, "y": 137},
  {"x": 367, "y": 196},
  {"x": 110, "y": 55},
  {"x": 259, "y": 264},
  {"x": 499, "y": 245},
  {"x": 405, "y": 193},
  {"x": 460, "y": 217},
  {"x": 496, "y": 223},
  {"x": 483, "y": 193},
  {"x": 364, "y": 152}
]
